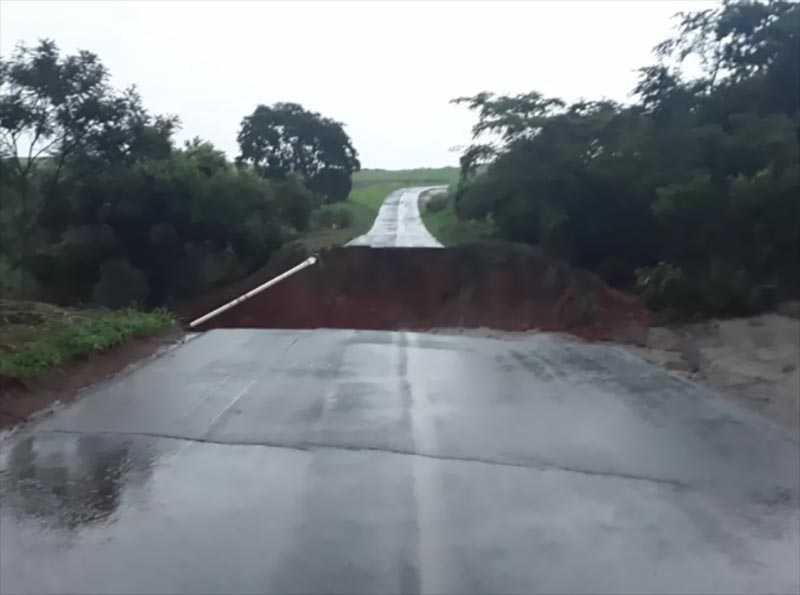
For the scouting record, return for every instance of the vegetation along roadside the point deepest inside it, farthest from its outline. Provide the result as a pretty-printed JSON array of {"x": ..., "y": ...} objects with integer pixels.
[
  {"x": 687, "y": 195},
  {"x": 36, "y": 338}
]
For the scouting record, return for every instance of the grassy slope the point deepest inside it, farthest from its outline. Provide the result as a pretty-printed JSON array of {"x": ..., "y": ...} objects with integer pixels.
[
  {"x": 36, "y": 337},
  {"x": 450, "y": 230},
  {"x": 362, "y": 204}
]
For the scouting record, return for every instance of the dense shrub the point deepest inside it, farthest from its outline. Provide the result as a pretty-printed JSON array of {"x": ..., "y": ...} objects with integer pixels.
[
  {"x": 334, "y": 184},
  {"x": 717, "y": 289},
  {"x": 160, "y": 228},
  {"x": 692, "y": 193},
  {"x": 120, "y": 285},
  {"x": 331, "y": 217},
  {"x": 106, "y": 209},
  {"x": 437, "y": 203}
]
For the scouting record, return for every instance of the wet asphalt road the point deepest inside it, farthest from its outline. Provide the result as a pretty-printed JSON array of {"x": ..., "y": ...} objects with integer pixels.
[
  {"x": 398, "y": 224},
  {"x": 251, "y": 461}
]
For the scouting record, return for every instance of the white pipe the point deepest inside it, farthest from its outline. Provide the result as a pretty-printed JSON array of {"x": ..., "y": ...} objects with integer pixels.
[{"x": 306, "y": 263}]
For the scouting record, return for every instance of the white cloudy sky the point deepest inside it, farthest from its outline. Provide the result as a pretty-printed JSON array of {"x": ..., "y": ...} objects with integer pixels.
[{"x": 385, "y": 69}]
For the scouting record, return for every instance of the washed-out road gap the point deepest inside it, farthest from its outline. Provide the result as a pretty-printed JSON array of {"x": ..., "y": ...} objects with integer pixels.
[{"x": 342, "y": 461}]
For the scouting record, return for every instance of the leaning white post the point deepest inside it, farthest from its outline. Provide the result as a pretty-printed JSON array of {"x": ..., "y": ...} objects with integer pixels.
[{"x": 306, "y": 263}]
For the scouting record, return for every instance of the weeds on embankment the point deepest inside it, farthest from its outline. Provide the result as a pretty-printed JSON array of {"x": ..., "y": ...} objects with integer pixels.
[{"x": 37, "y": 337}]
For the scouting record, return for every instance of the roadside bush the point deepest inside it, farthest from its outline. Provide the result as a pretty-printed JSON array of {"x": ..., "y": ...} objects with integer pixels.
[
  {"x": 690, "y": 192},
  {"x": 220, "y": 266},
  {"x": 437, "y": 203},
  {"x": 727, "y": 291},
  {"x": 120, "y": 285},
  {"x": 333, "y": 184},
  {"x": 294, "y": 202},
  {"x": 54, "y": 336},
  {"x": 718, "y": 289},
  {"x": 105, "y": 207},
  {"x": 331, "y": 217},
  {"x": 162, "y": 228},
  {"x": 664, "y": 286}
]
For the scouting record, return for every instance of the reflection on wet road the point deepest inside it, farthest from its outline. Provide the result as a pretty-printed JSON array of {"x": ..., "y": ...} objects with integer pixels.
[
  {"x": 74, "y": 483},
  {"x": 375, "y": 462},
  {"x": 398, "y": 224}
]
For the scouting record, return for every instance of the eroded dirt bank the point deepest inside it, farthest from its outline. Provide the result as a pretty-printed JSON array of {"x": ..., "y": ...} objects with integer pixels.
[{"x": 472, "y": 286}]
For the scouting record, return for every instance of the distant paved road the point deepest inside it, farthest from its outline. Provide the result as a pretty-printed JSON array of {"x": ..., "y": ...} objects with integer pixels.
[
  {"x": 336, "y": 461},
  {"x": 398, "y": 224}
]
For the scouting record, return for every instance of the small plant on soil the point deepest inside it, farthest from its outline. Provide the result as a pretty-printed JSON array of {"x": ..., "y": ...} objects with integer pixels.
[{"x": 38, "y": 337}]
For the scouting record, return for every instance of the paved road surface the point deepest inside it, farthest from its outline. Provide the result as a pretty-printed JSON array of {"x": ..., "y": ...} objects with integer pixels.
[
  {"x": 398, "y": 224},
  {"x": 374, "y": 462}
]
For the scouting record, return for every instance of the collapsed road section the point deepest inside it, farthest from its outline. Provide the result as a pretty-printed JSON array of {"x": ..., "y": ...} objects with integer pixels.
[{"x": 482, "y": 285}]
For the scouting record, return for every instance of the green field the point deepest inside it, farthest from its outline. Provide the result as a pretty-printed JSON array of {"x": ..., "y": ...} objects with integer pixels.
[{"x": 405, "y": 177}]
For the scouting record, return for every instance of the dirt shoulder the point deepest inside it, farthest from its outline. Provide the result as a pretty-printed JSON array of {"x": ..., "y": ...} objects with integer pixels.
[
  {"x": 19, "y": 400},
  {"x": 754, "y": 362},
  {"x": 48, "y": 353}
]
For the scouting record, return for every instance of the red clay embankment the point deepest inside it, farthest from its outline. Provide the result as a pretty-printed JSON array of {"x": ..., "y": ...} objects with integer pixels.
[{"x": 497, "y": 286}]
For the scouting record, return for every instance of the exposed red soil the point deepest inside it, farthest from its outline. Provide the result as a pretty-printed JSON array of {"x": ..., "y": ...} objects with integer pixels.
[{"x": 497, "y": 286}]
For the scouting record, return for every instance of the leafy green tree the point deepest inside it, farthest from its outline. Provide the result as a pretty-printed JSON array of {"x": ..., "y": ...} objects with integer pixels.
[
  {"x": 334, "y": 184},
  {"x": 59, "y": 119},
  {"x": 173, "y": 227},
  {"x": 692, "y": 190},
  {"x": 120, "y": 285},
  {"x": 288, "y": 139},
  {"x": 98, "y": 206}
]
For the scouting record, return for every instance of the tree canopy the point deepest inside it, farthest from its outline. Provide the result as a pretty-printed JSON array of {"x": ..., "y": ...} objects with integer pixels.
[
  {"x": 59, "y": 120},
  {"x": 99, "y": 206},
  {"x": 692, "y": 191},
  {"x": 288, "y": 139}
]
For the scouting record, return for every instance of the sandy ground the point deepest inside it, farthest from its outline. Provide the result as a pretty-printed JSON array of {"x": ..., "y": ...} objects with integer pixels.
[{"x": 754, "y": 361}]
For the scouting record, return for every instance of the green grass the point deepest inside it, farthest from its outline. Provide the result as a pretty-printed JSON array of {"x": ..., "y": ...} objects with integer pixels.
[
  {"x": 370, "y": 188},
  {"x": 363, "y": 205},
  {"x": 406, "y": 177},
  {"x": 372, "y": 196},
  {"x": 36, "y": 337},
  {"x": 446, "y": 227}
]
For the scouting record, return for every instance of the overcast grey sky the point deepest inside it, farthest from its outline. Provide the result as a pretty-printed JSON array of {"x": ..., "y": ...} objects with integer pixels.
[{"x": 385, "y": 69}]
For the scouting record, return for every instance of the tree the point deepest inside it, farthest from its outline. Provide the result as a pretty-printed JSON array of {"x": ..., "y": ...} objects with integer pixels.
[
  {"x": 335, "y": 184},
  {"x": 60, "y": 119},
  {"x": 163, "y": 228},
  {"x": 98, "y": 206},
  {"x": 511, "y": 117},
  {"x": 287, "y": 139},
  {"x": 692, "y": 190}
]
